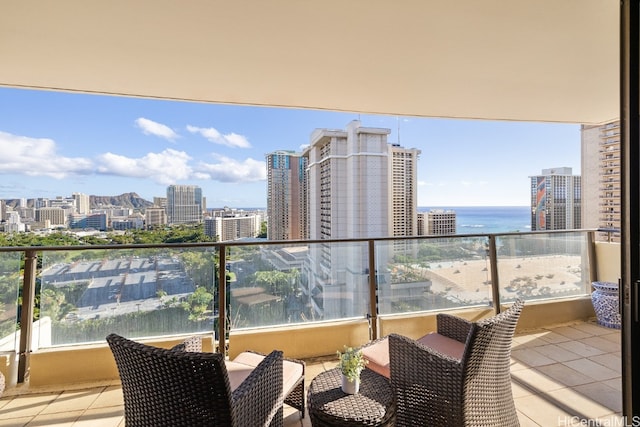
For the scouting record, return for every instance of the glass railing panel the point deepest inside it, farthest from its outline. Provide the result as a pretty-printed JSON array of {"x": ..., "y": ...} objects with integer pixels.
[
  {"x": 432, "y": 274},
  {"x": 271, "y": 285},
  {"x": 543, "y": 265},
  {"x": 87, "y": 294},
  {"x": 10, "y": 279}
]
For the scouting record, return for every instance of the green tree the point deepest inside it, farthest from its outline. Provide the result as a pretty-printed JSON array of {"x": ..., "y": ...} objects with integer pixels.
[
  {"x": 51, "y": 303},
  {"x": 197, "y": 303}
]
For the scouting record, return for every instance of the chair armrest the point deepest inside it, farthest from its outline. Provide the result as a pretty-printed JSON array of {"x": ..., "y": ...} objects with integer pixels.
[
  {"x": 453, "y": 327},
  {"x": 260, "y": 398},
  {"x": 293, "y": 381}
]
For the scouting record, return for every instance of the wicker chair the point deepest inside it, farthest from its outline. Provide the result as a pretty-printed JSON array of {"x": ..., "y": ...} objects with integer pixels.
[
  {"x": 292, "y": 371},
  {"x": 436, "y": 389},
  {"x": 179, "y": 388}
]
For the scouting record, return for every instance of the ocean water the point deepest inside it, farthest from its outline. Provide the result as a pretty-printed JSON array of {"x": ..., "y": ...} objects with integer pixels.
[{"x": 488, "y": 219}]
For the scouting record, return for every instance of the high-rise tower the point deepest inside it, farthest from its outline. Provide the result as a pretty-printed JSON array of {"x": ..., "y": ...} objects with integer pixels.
[
  {"x": 286, "y": 196},
  {"x": 359, "y": 186},
  {"x": 184, "y": 204},
  {"x": 601, "y": 207},
  {"x": 556, "y": 199},
  {"x": 83, "y": 205}
]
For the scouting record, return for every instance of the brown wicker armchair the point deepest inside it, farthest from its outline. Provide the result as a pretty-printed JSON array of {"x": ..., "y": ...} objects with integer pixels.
[
  {"x": 179, "y": 388},
  {"x": 436, "y": 389}
]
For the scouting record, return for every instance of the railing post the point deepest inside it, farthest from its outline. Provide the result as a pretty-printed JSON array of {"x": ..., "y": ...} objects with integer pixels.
[
  {"x": 591, "y": 255},
  {"x": 26, "y": 314},
  {"x": 222, "y": 300},
  {"x": 373, "y": 291},
  {"x": 495, "y": 282}
]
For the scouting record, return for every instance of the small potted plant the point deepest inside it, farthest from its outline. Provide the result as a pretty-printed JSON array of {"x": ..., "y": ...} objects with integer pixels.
[{"x": 352, "y": 362}]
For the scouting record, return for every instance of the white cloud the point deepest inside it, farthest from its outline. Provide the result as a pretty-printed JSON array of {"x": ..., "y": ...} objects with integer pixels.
[
  {"x": 212, "y": 135},
  {"x": 38, "y": 157},
  {"x": 166, "y": 167},
  {"x": 231, "y": 170},
  {"x": 149, "y": 127}
]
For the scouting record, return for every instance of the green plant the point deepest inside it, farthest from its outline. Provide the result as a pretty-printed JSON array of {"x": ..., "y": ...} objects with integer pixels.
[{"x": 352, "y": 362}]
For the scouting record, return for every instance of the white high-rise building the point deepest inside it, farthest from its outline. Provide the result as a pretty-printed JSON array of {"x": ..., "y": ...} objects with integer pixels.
[
  {"x": 226, "y": 228},
  {"x": 184, "y": 204},
  {"x": 13, "y": 223},
  {"x": 83, "y": 205},
  {"x": 359, "y": 186}
]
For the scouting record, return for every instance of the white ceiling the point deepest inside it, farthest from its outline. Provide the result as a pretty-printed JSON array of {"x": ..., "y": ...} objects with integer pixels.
[{"x": 534, "y": 60}]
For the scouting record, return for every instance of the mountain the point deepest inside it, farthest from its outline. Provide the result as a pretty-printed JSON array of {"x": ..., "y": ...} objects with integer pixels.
[{"x": 127, "y": 200}]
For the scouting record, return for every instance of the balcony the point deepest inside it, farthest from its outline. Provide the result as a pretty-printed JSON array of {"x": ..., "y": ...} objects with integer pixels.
[
  {"x": 561, "y": 376},
  {"x": 160, "y": 293}
]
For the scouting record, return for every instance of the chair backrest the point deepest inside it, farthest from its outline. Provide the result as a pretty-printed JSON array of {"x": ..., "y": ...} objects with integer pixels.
[
  {"x": 487, "y": 380},
  {"x": 171, "y": 388},
  {"x": 433, "y": 387}
]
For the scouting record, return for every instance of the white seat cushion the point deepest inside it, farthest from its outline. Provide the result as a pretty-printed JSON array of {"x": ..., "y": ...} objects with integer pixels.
[
  {"x": 378, "y": 354},
  {"x": 291, "y": 371}
]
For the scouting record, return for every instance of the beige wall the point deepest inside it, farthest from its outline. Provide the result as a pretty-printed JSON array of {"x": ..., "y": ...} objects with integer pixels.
[{"x": 608, "y": 261}]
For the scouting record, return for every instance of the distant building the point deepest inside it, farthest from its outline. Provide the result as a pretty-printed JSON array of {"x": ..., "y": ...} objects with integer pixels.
[
  {"x": 286, "y": 196},
  {"x": 83, "y": 205},
  {"x": 114, "y": 211},
  {"x": 601, "y": 183},
  {"x": 359, "y": 186},
  {"x": 556, "y": 198},
  {"x": 184, "y": 204},
  {"x": 230, "y": 228},
  {"x": 402, "y": 175},
  {"x": 440, "y": 222},
  {"x": 131, "y": 223},
  {"x": 155, "y": 216},
  {"x": 26, "y": 213},
  {"x": 66, "y": 203},
  {"x": 55, "y": 217},
  {"x": 40, "y": 202},
  {"x": 96, "y": 221},
  {"x": 160, "y": 202},
  {"x": 13, "y": 223}
]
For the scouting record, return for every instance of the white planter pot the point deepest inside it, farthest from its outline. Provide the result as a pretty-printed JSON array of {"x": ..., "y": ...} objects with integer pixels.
[{"x": 350, "y": 387}]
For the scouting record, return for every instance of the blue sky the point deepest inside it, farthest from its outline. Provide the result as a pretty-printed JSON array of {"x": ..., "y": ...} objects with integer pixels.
[{"x": 53, "y": 144}]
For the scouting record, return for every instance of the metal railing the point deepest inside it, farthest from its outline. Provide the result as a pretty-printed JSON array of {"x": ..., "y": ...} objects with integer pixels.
[{"x": 355, "y": 278}]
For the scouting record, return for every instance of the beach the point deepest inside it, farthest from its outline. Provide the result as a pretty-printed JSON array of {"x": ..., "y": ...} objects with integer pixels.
[{"x": 469, "y": 280}]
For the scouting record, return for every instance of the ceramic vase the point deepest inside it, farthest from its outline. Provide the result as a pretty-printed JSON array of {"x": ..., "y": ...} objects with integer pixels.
[
  {"x": 605, "y": 301},
  {"x": 350, "y": 387}
]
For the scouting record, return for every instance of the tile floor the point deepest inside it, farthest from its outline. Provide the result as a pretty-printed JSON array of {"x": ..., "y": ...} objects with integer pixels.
[{"x": 562, "y": 376}]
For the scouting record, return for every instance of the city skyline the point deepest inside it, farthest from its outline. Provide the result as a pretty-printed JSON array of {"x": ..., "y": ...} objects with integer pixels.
[{"x": 56, "y": 143}]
